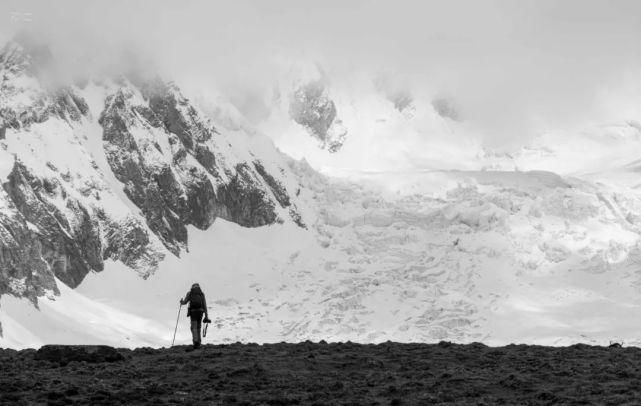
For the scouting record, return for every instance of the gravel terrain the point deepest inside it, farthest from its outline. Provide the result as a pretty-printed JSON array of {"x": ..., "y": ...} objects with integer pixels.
[{"x": 322, "y": 374}]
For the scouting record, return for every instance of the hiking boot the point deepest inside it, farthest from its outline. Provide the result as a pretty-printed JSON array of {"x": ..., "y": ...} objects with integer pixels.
[{"x": 196, "y": 345}]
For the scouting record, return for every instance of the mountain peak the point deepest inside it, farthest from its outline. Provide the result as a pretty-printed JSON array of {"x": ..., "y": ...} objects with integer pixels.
[{"x": 28, "y": 50}]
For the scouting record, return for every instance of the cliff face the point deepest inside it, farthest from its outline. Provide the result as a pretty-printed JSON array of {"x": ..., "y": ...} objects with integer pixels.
[
  {"x": 44, "y": 231},
  {"x": 116, "y": 170},
  {"x": 311, "y": 107}
]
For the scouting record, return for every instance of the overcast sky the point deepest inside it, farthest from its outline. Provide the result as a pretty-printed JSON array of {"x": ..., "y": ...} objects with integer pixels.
[{"x": 513, "y": 66}]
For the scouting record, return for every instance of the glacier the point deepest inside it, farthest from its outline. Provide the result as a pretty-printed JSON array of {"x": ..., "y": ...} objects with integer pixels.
[{"x": 120, "y": 192}]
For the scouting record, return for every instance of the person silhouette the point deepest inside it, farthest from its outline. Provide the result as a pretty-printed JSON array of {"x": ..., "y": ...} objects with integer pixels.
[{"x": 197, "y": 308}]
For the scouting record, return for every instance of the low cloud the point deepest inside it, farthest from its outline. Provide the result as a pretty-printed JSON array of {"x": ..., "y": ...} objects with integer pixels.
[{"x": 513, "y": 69}]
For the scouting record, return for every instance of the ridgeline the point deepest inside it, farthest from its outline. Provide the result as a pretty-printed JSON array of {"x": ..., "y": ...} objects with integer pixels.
[{"x": 322, "y": 374}]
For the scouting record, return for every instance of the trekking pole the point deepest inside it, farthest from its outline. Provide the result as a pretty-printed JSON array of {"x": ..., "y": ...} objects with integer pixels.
[{"x": 176, "y": 329}]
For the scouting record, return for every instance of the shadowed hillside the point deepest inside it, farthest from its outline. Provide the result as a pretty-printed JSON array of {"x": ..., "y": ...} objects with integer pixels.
[{"x": 322, "y": 374}]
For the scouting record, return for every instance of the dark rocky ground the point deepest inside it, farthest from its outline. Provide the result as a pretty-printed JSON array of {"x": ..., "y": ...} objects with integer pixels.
[{"x": 323, "y": 374}]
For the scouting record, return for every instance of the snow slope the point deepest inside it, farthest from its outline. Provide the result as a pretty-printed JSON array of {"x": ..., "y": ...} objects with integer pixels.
[
  {"x": 497, "y": 257},
  {"x": 115, "y": 171},
  {"x": 431, "y": 238}
]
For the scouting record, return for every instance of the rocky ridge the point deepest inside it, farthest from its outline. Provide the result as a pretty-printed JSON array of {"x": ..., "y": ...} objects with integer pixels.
[
  {"x": 320, "y": 373},
  {"x": 113, "y": 170}
]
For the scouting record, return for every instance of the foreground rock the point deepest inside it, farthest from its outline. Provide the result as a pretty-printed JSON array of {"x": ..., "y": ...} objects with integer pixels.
[
  {"x": 64, "y": 354},
  {"x": 326, "y": 374}
]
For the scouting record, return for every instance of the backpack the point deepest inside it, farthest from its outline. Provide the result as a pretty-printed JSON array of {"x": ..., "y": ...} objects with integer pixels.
[{"x": 196, "y": 301}]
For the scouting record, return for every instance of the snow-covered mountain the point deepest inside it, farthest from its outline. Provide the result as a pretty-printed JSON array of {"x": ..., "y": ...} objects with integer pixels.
[
  {"x": 345, "y": 124},
  {"x": 364, "y": 121},
  {"x": 116, "y": 169},
  {"x": 120, "y": 191}
]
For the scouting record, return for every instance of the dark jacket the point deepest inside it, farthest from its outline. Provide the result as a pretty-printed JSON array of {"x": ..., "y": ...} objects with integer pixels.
[{"x": 195, "y": 308}]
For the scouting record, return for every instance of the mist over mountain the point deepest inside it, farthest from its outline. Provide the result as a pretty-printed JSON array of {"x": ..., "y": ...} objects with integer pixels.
[
  {"x": 513, "y": 71},
  {"x": 381, "y": 181}
]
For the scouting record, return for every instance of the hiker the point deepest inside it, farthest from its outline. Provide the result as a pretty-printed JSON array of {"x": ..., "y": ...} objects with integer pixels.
[{"x": 197, "y": 307}]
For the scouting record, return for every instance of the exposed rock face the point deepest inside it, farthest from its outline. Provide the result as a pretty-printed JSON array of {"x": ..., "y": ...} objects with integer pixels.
[
  {"x": 51, "y": 222},
  {"x": 276, "y": 187},
  {"x": 164, "y": 152},
  {"x": 37, "y": 239},
  {"x": 243, "y": 202},
  {"x": 46, "y": 232},
  {"x": 70, "y": 249},
  {"x": 280, "y": 193},
  {"x": 129, "y": 242},
  {"x": 19, "y": 82},
  {"x": 61, "y": 216},
  {"x": 151, "y": 187},
  {"x": 311, "y": 107},
  {"x": 23, "y": 271},
  {"x": 297, "y": 218}
]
